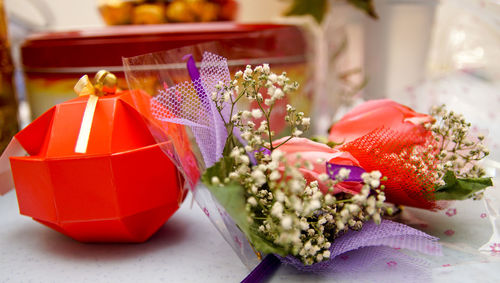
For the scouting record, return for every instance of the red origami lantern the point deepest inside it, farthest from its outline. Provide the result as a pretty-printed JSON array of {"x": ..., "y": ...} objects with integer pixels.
[{"x": 122, "y": 189}]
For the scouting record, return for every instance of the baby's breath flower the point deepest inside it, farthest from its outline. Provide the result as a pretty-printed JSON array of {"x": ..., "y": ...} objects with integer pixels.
[
  {"x": 219, "y": 85},
  {"x": 458, "y": 151},
  {"x": 259, "y": 96},
  {"x": 233, "y": 175},
  {"x": 252, "y": 201},
  {"x": 272, "y": 78},
  {"x": 286, "y": 222},
  {"x": 295, "y": 185},
  {"x": 277, "y": 155},
  {"x": 244, "y": 159},
  {"x": 259, "y": 177},
  {"x": 314, "y": 204},
  {"x": 306, "y": 121},
  {"x": 227, "y": 96},
  {"x": 281, "y": 205},
  {"x": 278, "y": 94},
  {"x": 297, "y": 133},
  {"x": 340, "y": 225},
  {"x": 215, "y": 180},
  {"x": 275, "y": 175},
  {"x": 256, "y": 113},
  {"x": 344, "y": 173},
  {"x": 323, "y": 177},
  {"x": 246, "y": 114},
  {"x": 374, "y": 183},
  {"x": 329, "y": 199},
  {"x": 273, "y": 165},
  {"x": 277, "y": 210},
  {"x": 266, "y": 69},
  {"x": 248, "y": 70}
]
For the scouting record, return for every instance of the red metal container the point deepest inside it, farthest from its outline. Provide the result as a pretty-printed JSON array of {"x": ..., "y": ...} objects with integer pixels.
[{"x": 54, "y": 61}]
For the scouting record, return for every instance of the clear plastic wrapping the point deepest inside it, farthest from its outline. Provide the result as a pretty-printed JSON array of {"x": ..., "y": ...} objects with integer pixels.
[{"x": 181, "y": 83}]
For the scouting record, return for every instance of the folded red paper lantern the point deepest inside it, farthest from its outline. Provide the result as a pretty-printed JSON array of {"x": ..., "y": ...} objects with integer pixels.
[{"x": 122, "y": 189}]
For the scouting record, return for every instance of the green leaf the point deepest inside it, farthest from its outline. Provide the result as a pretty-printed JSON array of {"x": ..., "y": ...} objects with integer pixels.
[
  {"x": 221, "y": 170},
  {"x": 460, "y": 189},
  {"x": 316, "y": 8},
  {"x": 366, "y": 6},
  {"x": 232, "y": 197}
]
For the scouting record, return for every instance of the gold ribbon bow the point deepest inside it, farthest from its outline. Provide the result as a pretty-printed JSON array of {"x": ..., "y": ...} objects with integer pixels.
[{"x": 104, "y": 84}]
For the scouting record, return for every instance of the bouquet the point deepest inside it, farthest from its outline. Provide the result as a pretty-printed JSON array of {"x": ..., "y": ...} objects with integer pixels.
[
  {"x": 306, "y": 203},
  {"x": 427, "y": 159}
]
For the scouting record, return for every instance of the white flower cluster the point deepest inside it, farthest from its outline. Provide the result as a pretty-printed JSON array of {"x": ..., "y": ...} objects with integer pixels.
[
  {"x": 281, "y": 205},
  {"x": 254, "y": 82},
  {"x": 294, "y": 214},
  {"x": 458, "y": 151}
]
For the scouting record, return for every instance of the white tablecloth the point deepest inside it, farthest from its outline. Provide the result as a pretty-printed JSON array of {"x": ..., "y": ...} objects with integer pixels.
[{"x": 189, "y": 249}]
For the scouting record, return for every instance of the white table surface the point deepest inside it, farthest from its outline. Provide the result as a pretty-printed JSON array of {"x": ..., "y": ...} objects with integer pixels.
[{"x": 189, "y": 249}]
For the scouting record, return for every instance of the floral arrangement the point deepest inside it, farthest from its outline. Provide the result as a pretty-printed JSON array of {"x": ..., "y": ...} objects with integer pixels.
[
  {"x": 426, "y": 158},
  {"x": 291, "y": 208},
  {"x": 308, "y": 201},
  {"x": 297, "y": 204}
]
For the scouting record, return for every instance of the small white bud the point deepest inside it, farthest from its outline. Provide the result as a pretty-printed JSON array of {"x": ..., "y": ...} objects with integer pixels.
[
  {"x": 297, "y": 133},
  {"x": 256, "y": 113},
  {"x": 306, "y": 121},
  {"x": 252, "y": 201},
  {"x": 375, "y": 183},
  {"x": 277, "y": 209},
  {"x": 266, "y": 69},
  {"x": 275, "y": 175},
  {"x": 277, "y": 155},
  {"x": 246, "y": 114},
  {"x": 323, "y": 177},
  {"x": 215, "y": 180},
  {"x": 286, "y": 222}
]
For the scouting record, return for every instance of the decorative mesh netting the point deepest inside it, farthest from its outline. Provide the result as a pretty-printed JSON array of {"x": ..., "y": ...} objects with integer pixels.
[
  {"x": 374, "y": 248},
  {"x": 213, "y": 70},
  {"x": 189, "y": 104},
  {"x": 406, "y": 159}
]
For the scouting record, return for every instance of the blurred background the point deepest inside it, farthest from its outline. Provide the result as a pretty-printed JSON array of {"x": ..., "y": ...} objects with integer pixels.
[{"x": 419, "y": 53}]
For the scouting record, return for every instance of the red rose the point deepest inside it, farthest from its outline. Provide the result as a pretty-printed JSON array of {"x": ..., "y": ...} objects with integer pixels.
[
  {"x": 312, "y": 152},
  {"x": 376, "y": 114}
]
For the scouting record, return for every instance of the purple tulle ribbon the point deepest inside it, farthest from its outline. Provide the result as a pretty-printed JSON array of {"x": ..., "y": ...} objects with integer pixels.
[
  {"x": 354, "y": 176},
  {"x": 387, "y": 233},
  {"x": 187, "y": 103},
  {"x": 194, "y": 74},
  {"x": 359, "y": 251},
  {"x": 213, "y": 70},
  {"x": 191, "y": 67},
  {"x": 263, "y": 270}
]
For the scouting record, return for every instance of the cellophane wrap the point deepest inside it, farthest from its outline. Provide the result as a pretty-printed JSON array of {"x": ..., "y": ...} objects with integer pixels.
[
  {"x": 188, "y": 106},
  {"x": 374, "y": 249},
  {"x": 182, "y": 100},
  {"x": 464, "y": 74}
]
